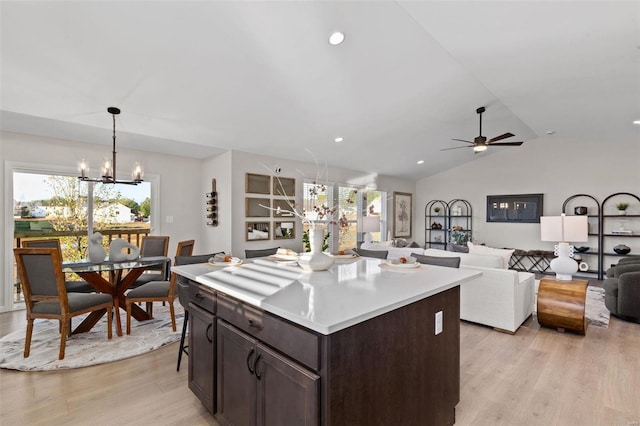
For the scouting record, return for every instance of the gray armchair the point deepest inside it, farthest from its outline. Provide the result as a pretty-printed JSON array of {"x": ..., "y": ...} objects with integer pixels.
[{"x": 622, "y": 291}]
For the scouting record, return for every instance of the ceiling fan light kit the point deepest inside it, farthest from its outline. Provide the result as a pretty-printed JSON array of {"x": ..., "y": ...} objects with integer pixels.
[
  {"x": 109, "y": 164},
  {"x": 480, "y": 143}
]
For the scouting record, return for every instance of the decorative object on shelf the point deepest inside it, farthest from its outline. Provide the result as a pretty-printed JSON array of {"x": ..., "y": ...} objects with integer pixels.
[
  {"x": 97, "y": 253},
  {"x": 109, "y": 165},
  {"x": 436, "y": 210},
  {"x": 581, "y": 249},
  {"x": 315, "y": 260},
  {"x": 370, "y": 224},
  {"x": 564, "y": 229},
  {"x": 402, "y": 208},
  {"x": 459, "y": 236},
  {"x": 212, "y": 205},
  {"x": 436, "y": 225},
  {"x": 583, "y": 267},
  {"x": 622, "y": 249},
  {"x": 580, "y": 210},
  {"x": 116, "y": 253},
  {"x": 622, "y": 208}
]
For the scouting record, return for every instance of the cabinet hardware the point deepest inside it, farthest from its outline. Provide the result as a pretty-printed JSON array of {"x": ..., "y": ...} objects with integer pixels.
[
  {"x": 255, "y": 325},
  {"x": 251, "y": 352},
  {"x": 209, "y": 327},
  {"x": 199, "y": 296},
  {"x": 255, "y": 367}
]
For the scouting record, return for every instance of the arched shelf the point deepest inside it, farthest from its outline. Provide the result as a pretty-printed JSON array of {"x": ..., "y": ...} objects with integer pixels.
[
  {"x": 609, "y": 236},
  {"x": 595, "y": 229},
  {"x": 460, "y": 217},
  {"x": 435, "y": 236}
]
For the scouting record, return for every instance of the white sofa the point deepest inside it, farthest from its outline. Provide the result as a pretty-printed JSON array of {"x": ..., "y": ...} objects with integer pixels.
[{"x": 500, "y": 298}]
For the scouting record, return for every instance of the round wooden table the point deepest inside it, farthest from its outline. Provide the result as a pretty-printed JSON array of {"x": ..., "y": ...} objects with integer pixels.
[{"x": 561, "y": 304}]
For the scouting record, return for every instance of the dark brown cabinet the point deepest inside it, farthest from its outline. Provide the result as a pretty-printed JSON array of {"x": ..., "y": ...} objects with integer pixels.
[
  {"x": 258, "y": 386},
  {"x": 202, "y": 344}
]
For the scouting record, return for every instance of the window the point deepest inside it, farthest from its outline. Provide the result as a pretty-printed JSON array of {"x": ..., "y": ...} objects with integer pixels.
[{"x": 350, "y": 203}]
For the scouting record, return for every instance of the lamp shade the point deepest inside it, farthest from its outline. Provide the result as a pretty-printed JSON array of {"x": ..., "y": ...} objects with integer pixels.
[
  {"x": 371, "y": 224},
  {"x": 564, "y": 228}
]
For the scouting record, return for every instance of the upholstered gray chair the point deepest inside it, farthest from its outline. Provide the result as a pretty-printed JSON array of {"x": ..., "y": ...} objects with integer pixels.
[
  {"x": 71, "y": 286},
  {"x": 154, "y": 245},
  {"x": 622, "y": 261},
  {"x": 450, "y": 262},
  {"x": 182, "y": 285},
  {"x": 248, "y": 254},
  {"x": 157, "y": 291},
  {"x": 40, "y": 272},
  {"x": 622, "y": 291},
  {"x": 378, "y": 254}
]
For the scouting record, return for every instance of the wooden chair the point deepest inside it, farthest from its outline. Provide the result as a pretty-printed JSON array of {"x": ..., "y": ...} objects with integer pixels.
[
  {"x": 40, "y": 271},
  {"x": 153, "y": 245},
  {"x": 71, "y": 286},
  {"x": 157, "y": 291}
]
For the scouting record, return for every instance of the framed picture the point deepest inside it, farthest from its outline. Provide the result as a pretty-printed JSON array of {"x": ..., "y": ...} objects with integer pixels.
[
  {"x": 402, "y": 209},
  {"x": 522, "y": 208}
]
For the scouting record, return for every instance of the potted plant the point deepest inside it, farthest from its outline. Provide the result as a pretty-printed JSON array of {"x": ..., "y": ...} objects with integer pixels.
[
  {"x": 436, "y": 210},
  {"x": 622, "y": 208}
]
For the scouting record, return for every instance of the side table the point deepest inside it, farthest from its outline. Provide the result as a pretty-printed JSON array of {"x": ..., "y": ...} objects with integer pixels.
[{"x": 561, "y": 304}]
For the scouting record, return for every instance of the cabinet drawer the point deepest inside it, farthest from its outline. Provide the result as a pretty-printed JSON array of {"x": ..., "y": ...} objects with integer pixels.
[
  {"x": 203, "y": 297},
  {"x": 301, "y": 345}
]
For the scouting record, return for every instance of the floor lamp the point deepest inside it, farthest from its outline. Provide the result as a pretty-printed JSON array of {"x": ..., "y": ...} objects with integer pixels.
[{"x": 564, "y": 229}]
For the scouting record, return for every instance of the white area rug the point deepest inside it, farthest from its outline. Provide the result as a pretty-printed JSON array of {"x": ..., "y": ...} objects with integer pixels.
[
  {"x": 595, "y": 311},
  {"x": 89, "y": 348}
]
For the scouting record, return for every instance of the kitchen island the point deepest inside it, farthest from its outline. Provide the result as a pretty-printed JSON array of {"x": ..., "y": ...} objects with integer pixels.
[{"x": 360, "y": 344}]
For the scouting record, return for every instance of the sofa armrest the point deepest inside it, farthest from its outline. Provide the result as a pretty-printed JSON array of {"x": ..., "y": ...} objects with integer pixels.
[{"x": 629, "y": 293}]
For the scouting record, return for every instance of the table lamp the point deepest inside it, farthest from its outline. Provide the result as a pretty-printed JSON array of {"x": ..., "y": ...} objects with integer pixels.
[
  {"x": 564, "y": 229},
  {"x": 370, "y": 224}
]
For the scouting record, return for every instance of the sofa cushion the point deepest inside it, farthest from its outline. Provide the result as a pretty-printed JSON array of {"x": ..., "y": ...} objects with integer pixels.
[
  {"x": 468, "y": 259},
  {"x": 450, "y": 262},
  {"x": 505, "y": 254}
]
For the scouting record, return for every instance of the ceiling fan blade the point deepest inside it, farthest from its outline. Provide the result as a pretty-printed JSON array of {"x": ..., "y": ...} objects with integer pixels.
[
  {"x": 457, "y": 147},
  {"x": 506, "y": 144},
  {"x": 499, "y": 138},
  {"x": 462, "y": 140}
]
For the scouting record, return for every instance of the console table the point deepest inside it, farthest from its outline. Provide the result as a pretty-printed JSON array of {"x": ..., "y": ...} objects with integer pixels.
[{"x": 561, "y": 304}]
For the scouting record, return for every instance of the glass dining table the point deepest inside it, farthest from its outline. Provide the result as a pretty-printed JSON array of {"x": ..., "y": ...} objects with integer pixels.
[{"x": 121, "y": 276}]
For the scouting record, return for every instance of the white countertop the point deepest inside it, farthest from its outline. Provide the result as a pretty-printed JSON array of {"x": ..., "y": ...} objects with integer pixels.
[{"x": 327, "y": 301}]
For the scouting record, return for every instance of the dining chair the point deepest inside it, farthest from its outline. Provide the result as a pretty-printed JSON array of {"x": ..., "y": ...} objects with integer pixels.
[
  {"x": 182, "y": 285},
  {"x": 40, "y": 271},
  {"x": 157, "y": 291},
  {"x": 71, "y": 286},
  {"x": 379, "y": 254},
  {"x": 248, "y": 254},
  {"x": 153, "y": 245}
]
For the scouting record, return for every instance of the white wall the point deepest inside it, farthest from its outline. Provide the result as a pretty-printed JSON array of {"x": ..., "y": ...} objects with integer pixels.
[
  {"x": 555, "y": 167},
  {"x": 179, "y": 179}
]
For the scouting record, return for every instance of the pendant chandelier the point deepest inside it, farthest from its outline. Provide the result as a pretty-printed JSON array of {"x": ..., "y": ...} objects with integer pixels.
[{"x": 109, "y": 164}]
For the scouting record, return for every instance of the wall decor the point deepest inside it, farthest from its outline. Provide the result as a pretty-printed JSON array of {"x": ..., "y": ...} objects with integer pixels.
[
  {"x": 402, "y": 208},
  {"x": 284, "y": 230},
  {"x": 285, "y": 208},
  {"x": 284, "y": 186},
  {"x": 257, "y": 231},
  {"x": 253, "y": 207},
  {"x": 522, "y": 208},
  {"x": 257, "y": 184},
  {"x": 212, "y": 205}
]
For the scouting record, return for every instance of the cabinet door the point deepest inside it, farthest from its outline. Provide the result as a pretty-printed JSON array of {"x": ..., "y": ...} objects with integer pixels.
[
  {"x": 202, "y": 337},
  {"x": 236, "y": 387},
  {"x": 287, "y": 392}
]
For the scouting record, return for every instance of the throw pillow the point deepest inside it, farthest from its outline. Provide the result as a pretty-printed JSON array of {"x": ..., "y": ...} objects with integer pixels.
[
  {"x": 460, "y": 249},
  {"x": 505, "y": 254},
  {"x": 414, "y": 245},
  {"x": 450, "y": 262},
  {"x": 401, "y": 242}
]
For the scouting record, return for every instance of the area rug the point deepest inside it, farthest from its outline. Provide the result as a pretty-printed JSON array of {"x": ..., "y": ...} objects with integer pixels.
[{"x": 89, "y": 348}]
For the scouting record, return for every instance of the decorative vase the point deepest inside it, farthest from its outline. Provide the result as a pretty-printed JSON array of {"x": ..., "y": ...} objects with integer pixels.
[
  {"x": 580, "y": 210},
  {"x": 97, "y": 253},
  {"x": 315, "y": 260},
  {"x": 116, "y": 253},
  {"x": 622, "y": 249},
  {"x": 622, "y": 212}
]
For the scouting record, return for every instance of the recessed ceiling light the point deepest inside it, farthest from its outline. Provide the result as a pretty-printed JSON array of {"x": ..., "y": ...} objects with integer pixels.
[
  {"x": 421, "y": 162},
  {"x": 336, "y": 38},
  {"x": 550, "y": 132},
  {"x": 338, "y": 139},
  {"x": 636, "y": 122}
]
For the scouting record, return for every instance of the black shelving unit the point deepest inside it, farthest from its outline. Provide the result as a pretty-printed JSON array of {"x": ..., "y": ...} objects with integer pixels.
[
  {"x": 604, "y": 218},
  {"x": 460, "y": 214},
  {"x": 595, "y": 229},
  {"x": 436, "y": 237}
]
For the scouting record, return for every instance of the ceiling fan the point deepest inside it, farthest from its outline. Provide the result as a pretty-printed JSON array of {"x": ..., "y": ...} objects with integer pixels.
[{"x": 480, "y": 143}]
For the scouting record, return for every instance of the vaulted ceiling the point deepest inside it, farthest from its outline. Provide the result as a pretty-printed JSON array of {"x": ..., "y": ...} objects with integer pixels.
[{"x": 198, "y": 78}]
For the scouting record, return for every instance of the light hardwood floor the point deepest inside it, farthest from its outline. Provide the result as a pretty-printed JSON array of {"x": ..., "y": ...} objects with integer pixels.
[{"x": 535, "y": 377}]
